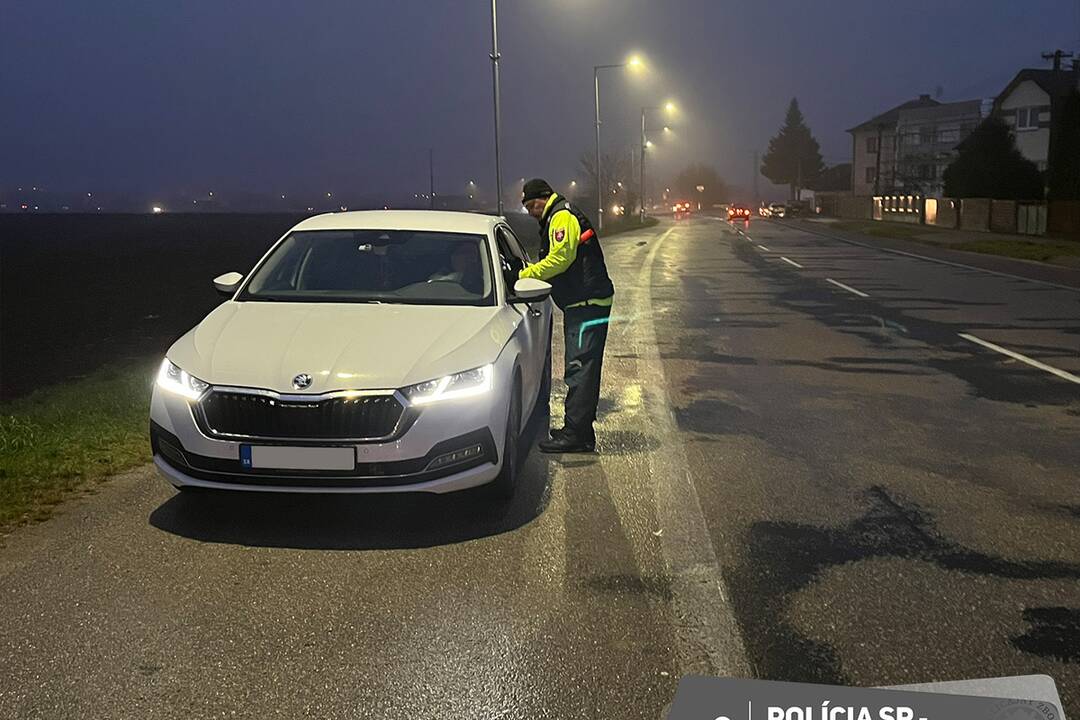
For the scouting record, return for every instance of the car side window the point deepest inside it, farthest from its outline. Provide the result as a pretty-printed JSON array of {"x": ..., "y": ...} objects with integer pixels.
[
  {"x": 510, "y": 261},
  {"x": 516, "y": 246}
]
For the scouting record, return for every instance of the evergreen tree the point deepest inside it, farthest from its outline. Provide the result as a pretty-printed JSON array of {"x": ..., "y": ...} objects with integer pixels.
[
  {"x": 989, "y": 165},
  {"x": 1064, "y": 174},
  {"x": 794, "y": 156}
]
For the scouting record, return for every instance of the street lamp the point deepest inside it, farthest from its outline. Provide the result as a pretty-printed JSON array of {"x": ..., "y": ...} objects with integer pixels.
[
  {"x": 669, "y": 108},
  {"x": 634, "y": 62}
]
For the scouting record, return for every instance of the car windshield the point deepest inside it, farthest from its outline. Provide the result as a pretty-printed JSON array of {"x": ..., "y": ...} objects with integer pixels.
[{"x": 381, "y": 266}]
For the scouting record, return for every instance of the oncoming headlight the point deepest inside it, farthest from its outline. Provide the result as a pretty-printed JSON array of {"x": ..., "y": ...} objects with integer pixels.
[
  {"x": 459, "y": 385},
  {"x": 172, "y": 378}
]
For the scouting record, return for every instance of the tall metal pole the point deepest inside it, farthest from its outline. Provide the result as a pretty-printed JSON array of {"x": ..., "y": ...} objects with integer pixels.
[
  {"x": 599, "y": 174},
  {"x": 644, "y": 147},
  {"x": 498, "y": 115}
]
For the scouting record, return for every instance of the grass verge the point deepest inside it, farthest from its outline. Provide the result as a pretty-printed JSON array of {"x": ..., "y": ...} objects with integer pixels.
[
  {"x": 1021, "y": 249},
  {"x": 1041, "y": 251},
  {"x": 903, "y": 231},
  {"x": 60, "y": 439},
  {"x": 627, "y": 225}
]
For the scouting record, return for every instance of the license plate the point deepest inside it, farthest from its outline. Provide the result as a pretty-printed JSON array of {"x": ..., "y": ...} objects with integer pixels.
[{"x": 277, "y": 457}]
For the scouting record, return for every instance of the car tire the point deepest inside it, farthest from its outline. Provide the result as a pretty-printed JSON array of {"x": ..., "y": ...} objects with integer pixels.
[{"x": 504, "y": 485}]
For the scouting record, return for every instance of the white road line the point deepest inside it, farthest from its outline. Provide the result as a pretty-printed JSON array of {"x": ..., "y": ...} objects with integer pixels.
[
  {"x": 1023, "y": 358},
  {"x": 708, "y": 640},
  {"x": 939, "y": 261},
  {"x": 764, "y": 248},
  {"x": 850, "y": 289},
  {"x": 790, "y": 261}
]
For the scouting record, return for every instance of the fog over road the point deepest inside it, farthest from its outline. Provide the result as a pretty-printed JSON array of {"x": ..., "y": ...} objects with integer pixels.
[{"x": 816, "y": 464}]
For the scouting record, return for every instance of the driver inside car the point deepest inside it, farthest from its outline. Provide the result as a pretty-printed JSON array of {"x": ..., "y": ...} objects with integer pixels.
[{"x": 463, "y": 269}]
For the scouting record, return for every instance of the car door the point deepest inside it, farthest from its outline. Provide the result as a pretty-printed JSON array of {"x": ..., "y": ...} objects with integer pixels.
[{"x": 536, "y": 317}]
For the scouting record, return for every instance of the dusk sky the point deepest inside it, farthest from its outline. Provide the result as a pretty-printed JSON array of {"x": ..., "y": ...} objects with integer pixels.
[{"x": 348, "y": 95}]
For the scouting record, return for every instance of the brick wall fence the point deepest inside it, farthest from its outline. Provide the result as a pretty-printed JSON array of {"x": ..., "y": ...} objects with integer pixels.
[
  {"x": 975, "y": 214},
  {"x": 1003, "y": 216},
  {"x": 1063, "y": 218},
  {"x": 1060, "y": 218}
]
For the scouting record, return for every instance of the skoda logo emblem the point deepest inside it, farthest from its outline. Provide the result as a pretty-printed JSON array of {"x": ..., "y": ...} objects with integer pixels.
[{"x": 301, "y": 381}]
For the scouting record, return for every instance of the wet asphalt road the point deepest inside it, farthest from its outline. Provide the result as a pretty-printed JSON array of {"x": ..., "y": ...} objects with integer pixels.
[{"x": 795, "y": 482}]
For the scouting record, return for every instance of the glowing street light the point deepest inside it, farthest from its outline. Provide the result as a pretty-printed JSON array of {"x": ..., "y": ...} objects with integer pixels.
[
  {"x": 634, "y": 62},
  {"x": 669, "y": 108}
]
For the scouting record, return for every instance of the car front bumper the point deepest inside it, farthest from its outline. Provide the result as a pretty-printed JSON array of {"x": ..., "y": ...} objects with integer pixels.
[{"x": 414, "y": 462}]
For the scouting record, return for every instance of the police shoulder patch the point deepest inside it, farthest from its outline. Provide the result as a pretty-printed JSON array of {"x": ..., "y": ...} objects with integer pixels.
[{"x": 560, "y": 234}]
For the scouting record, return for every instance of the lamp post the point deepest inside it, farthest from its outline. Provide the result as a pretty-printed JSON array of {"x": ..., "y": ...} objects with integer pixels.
[
  {"x": 668, "y": 107},
  {"x": 498, "y": 117},
  {"x": 632, "y": 62}
]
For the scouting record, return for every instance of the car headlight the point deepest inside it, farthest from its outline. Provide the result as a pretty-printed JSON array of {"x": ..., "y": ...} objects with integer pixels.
[
  {"x": 172, "y": 378},
  {"x": 459, "y": 385}
]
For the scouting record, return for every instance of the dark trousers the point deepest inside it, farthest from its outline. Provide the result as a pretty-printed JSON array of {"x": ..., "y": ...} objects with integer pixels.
[{"x": 585, "y": 334}]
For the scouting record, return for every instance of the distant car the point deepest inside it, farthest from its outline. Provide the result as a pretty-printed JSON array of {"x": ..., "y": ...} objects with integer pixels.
[
  {"x": 777, "y": 210},
  {"x": 738, "y": 212},
  {"x": 681, "y": 206},
  {"x": 367, "y": 352}
]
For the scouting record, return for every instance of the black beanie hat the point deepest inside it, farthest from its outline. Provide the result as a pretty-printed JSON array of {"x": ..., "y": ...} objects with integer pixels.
[{"x": 535, "y": 189}]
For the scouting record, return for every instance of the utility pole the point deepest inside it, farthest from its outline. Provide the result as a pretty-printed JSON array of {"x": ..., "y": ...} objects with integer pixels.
[
  {"x": 599, "y": 175},
  {"x": 498, "y": 116},
  {"x": 644, "y": 147},
  {"x": 798, "y": 182},
  {"x": 757, "y": 171},
  {"x": 1057, "y": 57},
  {"x": 877, "y": 160},
  {"x": 431, "y": 177}
]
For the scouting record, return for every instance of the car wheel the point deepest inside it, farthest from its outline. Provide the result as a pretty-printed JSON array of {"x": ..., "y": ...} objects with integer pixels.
[{"x": 505, "y": 483}]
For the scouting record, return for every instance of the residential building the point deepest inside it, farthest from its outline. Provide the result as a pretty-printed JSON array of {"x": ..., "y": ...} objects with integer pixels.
[
  {"x": 874, "y": 148},
  {"x": 905, "y": 150},
  {"x": 1028, "y": 104},
  {"x": 926, "y": 144}
]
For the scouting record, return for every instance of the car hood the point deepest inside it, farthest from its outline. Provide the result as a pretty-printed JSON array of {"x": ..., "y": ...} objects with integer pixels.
[{"x": 342, "y": 346}]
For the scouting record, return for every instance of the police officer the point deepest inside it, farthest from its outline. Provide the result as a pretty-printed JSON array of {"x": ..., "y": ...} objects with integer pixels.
[{"x": 572, "y": 261}]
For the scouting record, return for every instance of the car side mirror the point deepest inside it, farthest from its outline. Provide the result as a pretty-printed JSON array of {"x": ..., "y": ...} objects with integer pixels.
[
  {"x": 530, "y": 290},
  {"x": 228, "y": 283}
]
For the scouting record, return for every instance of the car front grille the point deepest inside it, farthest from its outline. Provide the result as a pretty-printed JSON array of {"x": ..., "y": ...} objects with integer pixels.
[{"x": 248, "y": 415}]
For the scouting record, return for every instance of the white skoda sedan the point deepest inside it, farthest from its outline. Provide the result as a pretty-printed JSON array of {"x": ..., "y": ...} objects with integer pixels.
[{"x": 366, "y": 352}]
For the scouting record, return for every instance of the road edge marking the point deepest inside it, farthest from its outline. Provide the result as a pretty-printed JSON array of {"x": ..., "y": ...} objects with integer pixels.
[
  {"x": 789, "y": 261},
  {"x": 850, "y": 289},
  {"x": 1063, "y": 374},
  {"x": 708, "y": 638}
]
